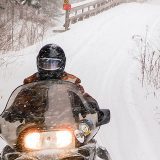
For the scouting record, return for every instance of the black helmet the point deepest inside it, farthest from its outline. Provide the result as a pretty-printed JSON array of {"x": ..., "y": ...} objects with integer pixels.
[{"x": 51, "y": 61}]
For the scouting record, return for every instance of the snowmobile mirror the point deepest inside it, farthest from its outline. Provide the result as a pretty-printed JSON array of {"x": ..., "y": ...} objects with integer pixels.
[{"x": 105, "y": 117}]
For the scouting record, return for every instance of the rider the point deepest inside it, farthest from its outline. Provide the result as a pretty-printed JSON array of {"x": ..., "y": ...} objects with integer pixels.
[{"x": 51, "y": 62}]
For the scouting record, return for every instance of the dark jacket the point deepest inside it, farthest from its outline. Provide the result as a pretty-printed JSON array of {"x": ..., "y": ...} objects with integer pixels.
[{"x": 71, "y": 78}]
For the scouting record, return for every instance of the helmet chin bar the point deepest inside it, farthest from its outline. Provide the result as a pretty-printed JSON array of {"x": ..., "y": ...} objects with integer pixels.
[{"x": 45, "y": 74}]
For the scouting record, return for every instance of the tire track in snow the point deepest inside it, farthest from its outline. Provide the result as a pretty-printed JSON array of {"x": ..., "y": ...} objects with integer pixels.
[
  {"x": 123, "y": 98},
  {"x": 128, "y": 131}
]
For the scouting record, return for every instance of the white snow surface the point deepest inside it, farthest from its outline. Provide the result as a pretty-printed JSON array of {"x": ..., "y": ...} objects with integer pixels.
[
  {"x": 81, "y": 3},
  {"x": 154, "y": 1},
  {"x": 101, "y": 52}
]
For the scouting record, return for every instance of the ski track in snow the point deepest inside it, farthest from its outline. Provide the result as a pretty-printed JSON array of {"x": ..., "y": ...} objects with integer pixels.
[{"x": 98, "y": 51}]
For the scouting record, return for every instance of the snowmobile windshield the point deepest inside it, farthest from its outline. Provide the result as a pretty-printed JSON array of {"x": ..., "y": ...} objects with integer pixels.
[
  {"x": 49, "y": 63},
  {"x": 48, "y": 104}
]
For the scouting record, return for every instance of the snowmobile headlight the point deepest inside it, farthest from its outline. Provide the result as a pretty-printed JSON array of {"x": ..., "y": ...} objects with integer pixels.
[
  {"x": 48, "y": 140},
  {"x": 32, "y": 140},
  {"x": 63, "y": 138}
]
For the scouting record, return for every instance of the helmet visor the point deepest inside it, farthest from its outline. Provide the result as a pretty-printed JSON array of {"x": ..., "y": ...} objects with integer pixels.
[{"x": 49, "y": 63}]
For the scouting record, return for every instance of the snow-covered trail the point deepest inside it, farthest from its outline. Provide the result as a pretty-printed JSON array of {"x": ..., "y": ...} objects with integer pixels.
[
  {"x": 99, "y": 52},
  {"x": 110, "y": 81},
  {"x": 128, "y": 138}
]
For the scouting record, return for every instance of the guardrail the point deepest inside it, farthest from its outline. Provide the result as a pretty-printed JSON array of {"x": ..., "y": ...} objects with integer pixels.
[{"x": 86, "y": 10}]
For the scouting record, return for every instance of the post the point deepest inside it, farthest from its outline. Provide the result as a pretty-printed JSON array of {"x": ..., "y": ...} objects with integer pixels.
[
  {"x": 66, "y": 25},
  {"x": 67, "y": 8}
]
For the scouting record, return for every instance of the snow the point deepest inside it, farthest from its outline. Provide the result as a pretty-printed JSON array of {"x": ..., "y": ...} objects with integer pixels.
[
  {"x": 82, "y": 3},
  {"x": 154, "y": 2},
  {"x": 101, "y": 51}
]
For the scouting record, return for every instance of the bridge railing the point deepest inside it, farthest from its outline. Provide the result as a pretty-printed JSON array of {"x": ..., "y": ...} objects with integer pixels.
[{"x": 83, "y": 11}]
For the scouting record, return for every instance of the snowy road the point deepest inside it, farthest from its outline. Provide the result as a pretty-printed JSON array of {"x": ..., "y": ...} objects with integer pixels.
[
  {"x": 99, "y": 51},
  {"x": 107, "y": 55}
]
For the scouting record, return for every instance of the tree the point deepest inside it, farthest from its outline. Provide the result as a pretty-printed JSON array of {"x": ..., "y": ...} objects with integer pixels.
[
  {"x": 24, "y": 22},
  {"x": 33, "y": 3}
]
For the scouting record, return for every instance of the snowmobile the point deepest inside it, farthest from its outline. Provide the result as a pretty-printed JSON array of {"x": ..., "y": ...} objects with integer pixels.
[{"x": 51, "y": 120}]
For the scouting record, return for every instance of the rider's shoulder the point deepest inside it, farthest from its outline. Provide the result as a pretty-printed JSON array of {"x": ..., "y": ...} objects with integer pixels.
[
  {"x": 71, "y": 78},
  {"x": 32, "y": 78}
]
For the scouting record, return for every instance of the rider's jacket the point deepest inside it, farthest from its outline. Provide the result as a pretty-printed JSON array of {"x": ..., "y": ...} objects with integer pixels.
[
  {"x": 71, "y": 78},
  {"x": 66, "y": 77}
]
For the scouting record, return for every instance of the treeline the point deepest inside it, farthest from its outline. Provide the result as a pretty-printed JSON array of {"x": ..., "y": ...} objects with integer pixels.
[{"x": 24, "y": 22}]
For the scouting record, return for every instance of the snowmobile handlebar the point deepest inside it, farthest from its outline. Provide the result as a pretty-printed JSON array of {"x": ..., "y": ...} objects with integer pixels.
[{"x": 105, "y": 117}]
